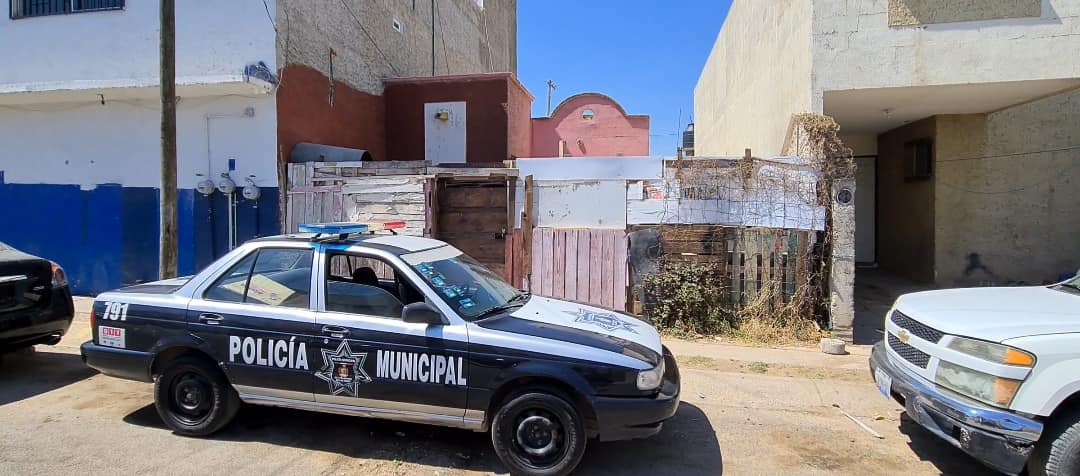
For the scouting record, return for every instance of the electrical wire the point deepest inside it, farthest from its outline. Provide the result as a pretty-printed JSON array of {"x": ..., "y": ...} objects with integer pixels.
[
  {"x": 1002, "y": 156},
  {"x": 370, "y": 38},
  {"x": 442, "y": 38}
]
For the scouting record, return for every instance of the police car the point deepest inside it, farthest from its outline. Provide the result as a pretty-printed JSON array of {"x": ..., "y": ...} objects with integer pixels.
[{"x": 344, "y": 320}]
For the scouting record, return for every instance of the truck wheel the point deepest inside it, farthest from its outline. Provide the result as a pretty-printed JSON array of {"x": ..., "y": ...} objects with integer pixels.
[
  {"x": 1058, "y": 451},
  {"x": 193, "y": 398},
  {"x": 537, "y": 433}
]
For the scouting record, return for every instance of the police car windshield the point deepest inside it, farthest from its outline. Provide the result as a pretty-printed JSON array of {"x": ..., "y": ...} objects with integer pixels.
[{"x": 462, "y": 282}]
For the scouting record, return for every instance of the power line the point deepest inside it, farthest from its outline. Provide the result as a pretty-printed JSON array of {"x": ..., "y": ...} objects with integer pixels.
[
  {"x": 1001, "y": 156},
  {"x": 442, "y": 37},
  {"x": 370, "y": 38},
  {"x": 1051, "y": 178}
]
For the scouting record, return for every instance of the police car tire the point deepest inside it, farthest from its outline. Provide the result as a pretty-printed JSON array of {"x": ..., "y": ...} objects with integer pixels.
[
  {"x": 223, "y": 400},
  {"x": 503, "y": 432}
]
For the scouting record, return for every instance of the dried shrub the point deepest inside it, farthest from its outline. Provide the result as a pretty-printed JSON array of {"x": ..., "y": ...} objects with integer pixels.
[{"x": 686, "y": 300}]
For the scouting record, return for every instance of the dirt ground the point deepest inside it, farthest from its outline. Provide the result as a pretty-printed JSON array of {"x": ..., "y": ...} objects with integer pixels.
[{"x": 763, "y": 414}]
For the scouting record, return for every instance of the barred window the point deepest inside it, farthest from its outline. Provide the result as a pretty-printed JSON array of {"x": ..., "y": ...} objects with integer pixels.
[{"x": 38, "y": 8}]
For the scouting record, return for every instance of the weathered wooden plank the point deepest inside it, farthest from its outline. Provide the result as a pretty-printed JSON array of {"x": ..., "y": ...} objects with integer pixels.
[
  {"x": 571, "y": 259},
  {"x": 558, "y": 261},
  {"x": 535, "y": 259},
  {"x": 527, "y": 221},
  {"x": 619, "y": 267},
  {"x": 584, "y": 282},
  {"x": 596, "y": 262},
  {"x": 607, "y": 268},
  {"x": 478, "y": 197},
  {"x": 486, "y": 219},
  {"x": 547, "y": 273}
]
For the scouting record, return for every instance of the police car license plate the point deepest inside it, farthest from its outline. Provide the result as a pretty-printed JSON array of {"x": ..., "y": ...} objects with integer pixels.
[{"x": 884, "y": 383}]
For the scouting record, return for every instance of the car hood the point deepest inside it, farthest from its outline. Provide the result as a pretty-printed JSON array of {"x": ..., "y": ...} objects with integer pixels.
[
  {"x": 995, "y": 314},
  {"x": 582, "y": 324}
]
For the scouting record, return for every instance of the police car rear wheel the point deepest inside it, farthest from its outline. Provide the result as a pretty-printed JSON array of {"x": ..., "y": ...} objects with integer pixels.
[
  {"x": 537, "y": 433},
  {"x": 193, "y": 398}
]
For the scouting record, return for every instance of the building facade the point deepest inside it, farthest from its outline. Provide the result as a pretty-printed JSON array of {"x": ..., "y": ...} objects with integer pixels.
[
  {"x": 962, "y": 117},
  {"x": 79, "y": 120},
  {"x": 590, "y": 125}
]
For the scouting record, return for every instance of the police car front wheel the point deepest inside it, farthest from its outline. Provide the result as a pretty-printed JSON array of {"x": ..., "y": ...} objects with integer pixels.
[
  {"x": 193, "y": 398},
  {"x": 537, "y": 433}
]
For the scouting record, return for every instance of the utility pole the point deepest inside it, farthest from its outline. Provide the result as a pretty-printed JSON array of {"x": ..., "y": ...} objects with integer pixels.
[
  {"x": 551, "y": 87},
  {"x": 168, "y": 251}
]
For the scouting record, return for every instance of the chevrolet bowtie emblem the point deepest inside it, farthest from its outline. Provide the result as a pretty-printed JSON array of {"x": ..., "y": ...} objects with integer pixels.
[{"x": 903, "y": 335}]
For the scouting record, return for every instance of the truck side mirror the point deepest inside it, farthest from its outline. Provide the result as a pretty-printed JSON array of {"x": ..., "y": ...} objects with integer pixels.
[{"x": 422, "y": 313}]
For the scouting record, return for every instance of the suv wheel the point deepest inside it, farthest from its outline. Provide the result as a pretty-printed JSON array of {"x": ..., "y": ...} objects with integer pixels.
[
  {"x": 1058, "y": 451},
  {"x": 193, "y": 398},
  {"x": 536, "y": 433}
]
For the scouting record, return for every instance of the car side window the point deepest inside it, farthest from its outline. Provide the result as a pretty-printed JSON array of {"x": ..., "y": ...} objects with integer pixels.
[
  {"x": 365, "y": 285},
  {"x": 269, "y": 276}
]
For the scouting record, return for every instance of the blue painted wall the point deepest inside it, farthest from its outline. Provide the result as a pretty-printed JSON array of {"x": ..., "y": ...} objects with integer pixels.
[{"x": 107, "y": 237}]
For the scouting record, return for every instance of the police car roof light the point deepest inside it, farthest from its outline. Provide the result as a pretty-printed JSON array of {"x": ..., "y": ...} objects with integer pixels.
[{"x": 344, "y": 229}]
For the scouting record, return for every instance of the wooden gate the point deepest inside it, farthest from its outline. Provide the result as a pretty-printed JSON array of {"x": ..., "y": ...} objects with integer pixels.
[
  {"x": 475, "y": 216},
  {"x": 580, "y": 265}
]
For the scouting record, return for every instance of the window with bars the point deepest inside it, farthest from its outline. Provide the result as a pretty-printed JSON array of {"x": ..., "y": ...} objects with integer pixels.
[{"x": 38, "y": 8}]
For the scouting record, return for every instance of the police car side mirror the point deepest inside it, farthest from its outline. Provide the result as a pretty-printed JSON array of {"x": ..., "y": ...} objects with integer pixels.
[{"x": 422, "y": 313}]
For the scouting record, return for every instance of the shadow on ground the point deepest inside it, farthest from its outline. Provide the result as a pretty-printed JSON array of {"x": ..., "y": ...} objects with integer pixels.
[
  {"x": 27, "y": 373},
  {"x": 687, "y": 445},
  {"x": 947, "y": 458},
  {"x": 875, "y": 292}
]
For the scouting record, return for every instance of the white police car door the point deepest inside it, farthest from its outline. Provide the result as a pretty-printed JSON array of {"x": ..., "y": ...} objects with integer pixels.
[
  {"x": 373, "y": 361},
  {"x": 256, "y": 319}
]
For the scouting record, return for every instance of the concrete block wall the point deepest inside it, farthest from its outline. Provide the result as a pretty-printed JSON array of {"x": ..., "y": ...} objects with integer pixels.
[
  {"x": 1005, "y": 186},
  {"x": 855, "y": 47},
  {"x": 469, "y": 38}
]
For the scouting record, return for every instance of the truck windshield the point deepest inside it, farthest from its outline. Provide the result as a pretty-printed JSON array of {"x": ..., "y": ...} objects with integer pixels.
[{"x": 463, "y": 283}]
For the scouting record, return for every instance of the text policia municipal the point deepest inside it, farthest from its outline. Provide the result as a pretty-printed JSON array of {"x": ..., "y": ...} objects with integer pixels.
[
  {"x": 289, "y": 354},
  {"x": 417, "y": 367}
]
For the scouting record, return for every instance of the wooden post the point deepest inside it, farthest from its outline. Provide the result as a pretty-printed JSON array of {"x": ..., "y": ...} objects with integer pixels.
[
  {"x": 527, "y": 230},
  {"x": 168, "y": 219}
]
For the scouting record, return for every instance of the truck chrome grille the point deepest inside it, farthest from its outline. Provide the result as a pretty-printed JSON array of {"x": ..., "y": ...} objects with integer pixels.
[
  {"x": 911, "y": 354},
  {"x": 917, "y": 328}
]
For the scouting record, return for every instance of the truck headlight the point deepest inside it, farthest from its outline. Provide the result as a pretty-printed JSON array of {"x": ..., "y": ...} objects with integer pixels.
[
  {"x": 978, "y": 385},
  {"x": 989, "y": 351},
  {"x": 651, "y": 379}
]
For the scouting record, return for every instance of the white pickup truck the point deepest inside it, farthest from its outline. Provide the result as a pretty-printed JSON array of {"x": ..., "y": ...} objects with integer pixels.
[{"x": 993, "y": 371}]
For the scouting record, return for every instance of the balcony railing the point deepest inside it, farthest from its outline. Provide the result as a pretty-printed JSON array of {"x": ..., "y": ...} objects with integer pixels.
[{"x": 38, "y": 8}]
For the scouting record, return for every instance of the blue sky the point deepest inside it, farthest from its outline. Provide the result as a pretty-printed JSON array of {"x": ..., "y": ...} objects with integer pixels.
[{"x": 647, "y": 54}]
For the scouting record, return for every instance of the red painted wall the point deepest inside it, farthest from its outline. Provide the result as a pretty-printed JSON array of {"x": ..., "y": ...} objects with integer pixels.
[
  {"x": 496, "y": 121},
  {"x": 611, "y": 132},
  {"x": 356, "y": 119}
]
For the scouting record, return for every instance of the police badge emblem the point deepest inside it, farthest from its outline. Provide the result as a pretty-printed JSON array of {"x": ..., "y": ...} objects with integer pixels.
[
  {"x": 343, "y": 370},
  {"x": 608, "y": 322}
]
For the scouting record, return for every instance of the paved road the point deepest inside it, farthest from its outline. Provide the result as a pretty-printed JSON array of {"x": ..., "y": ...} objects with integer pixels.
[{"x": 58, "y": 417}]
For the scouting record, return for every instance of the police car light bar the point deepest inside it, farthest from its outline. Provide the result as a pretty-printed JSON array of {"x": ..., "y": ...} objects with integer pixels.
[{"x": 347, "y": 228}]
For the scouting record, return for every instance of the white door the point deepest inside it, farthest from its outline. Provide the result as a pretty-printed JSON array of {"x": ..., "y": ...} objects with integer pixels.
[
  {"x": 865, "y": 209},
  {"x": 444, "y": 132}
]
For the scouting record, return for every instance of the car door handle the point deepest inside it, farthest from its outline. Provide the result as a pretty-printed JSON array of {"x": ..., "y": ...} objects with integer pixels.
[
  {"x": 336, "y": 332},
  {"x": 210, "y": 318}
]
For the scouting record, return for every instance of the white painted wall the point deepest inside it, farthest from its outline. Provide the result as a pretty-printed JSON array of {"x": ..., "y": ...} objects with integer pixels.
[
  {"x": 90, "y": 143},
  {"x": 444, "y": 140},
  {"x": 581, "y": 204},
  {"x": 215, "y": 40}
]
